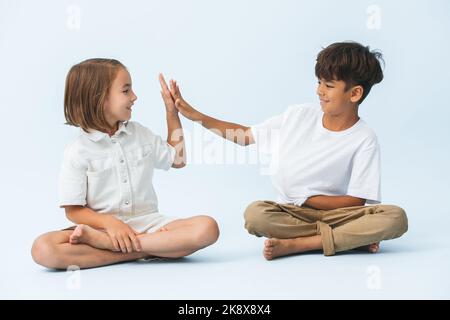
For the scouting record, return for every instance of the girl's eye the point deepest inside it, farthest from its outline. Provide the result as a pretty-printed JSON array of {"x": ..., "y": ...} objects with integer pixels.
[
  {"x": 125, "y": 91},
  {"x": 328, "y": 86}
]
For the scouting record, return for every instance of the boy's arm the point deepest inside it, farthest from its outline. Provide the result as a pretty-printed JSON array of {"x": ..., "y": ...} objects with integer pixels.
[
  {"x": 234, "y": 132},
  {"x": 174, "y": 129},
  {"x": 333, "y": 202}
]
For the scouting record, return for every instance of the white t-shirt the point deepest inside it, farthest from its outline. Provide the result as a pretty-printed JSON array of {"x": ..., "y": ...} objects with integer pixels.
[
  {"x": 308, "y": 159},
  {"x": 114, "y": 174}
]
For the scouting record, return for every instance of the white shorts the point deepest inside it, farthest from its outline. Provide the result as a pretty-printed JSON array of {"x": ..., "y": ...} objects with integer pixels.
[{"x": 148, "y": 223}]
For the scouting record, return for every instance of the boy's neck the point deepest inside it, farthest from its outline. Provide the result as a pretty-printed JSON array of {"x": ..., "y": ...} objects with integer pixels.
[{"x": 341, "y": 121}]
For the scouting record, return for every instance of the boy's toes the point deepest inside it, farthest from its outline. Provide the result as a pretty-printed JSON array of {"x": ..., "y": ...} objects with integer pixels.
[
  {"x": 268, "y": 243},
  {"x": 374, "y": 247},
  {"x": 268, "y": 255}
]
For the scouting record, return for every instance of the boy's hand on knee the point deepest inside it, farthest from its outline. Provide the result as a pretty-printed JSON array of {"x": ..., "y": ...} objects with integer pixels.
[{"x": 123, "y": 237}]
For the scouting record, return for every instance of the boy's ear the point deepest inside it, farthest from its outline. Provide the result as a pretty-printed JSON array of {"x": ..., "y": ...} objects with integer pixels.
[{"x": 356, "y": 94}]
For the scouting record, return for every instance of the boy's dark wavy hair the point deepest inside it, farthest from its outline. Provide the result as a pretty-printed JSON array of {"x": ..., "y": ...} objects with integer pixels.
[{"x": 352, "y": 63}]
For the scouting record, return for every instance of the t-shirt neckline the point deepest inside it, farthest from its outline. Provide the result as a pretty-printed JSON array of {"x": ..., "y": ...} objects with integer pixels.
[{"x": 355, "y": 126}]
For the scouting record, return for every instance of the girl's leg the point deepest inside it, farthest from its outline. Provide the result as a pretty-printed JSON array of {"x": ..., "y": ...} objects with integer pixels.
[
  {"x": 182, "y": 237},
  {"x": 179, "y": 238},
  {"x": 53, "y": 250}
]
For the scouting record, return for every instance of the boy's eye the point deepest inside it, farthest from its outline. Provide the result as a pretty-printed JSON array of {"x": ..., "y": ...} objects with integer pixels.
[
  {"x": 326, "y": 84},
  {"x": 125, "y": 91}
]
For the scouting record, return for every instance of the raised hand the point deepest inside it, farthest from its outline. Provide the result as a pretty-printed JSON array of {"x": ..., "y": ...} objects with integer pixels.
[
  {"x": 181, "y": 105},
  {"x": 169, "y": 101}
]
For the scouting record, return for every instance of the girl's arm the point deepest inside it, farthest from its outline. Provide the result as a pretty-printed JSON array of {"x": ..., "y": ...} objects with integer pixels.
[
  {"x": 234, "y": 132},
  {"x": 122, "y": 235},
  {"x": 84, "y": 215},
  {"x": 333, "y": 202},
  {"x": 174, "y": 129}
]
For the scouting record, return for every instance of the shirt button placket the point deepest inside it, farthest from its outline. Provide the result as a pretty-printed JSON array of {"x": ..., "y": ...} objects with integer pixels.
[{"x": 126, "y": 191}]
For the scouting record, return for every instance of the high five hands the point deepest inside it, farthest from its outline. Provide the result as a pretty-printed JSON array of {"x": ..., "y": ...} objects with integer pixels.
[{"x": 173, "y": 99}]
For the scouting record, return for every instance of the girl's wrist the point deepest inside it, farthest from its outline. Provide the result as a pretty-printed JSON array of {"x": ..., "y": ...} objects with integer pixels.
[{"x": 172, "y": 114}]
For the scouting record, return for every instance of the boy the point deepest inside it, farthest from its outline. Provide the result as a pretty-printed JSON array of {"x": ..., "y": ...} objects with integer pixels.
[{"x": 328, "y": 163}]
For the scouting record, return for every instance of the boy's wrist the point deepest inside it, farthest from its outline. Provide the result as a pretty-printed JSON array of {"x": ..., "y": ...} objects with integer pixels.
[{"x": 197, "y": 116}]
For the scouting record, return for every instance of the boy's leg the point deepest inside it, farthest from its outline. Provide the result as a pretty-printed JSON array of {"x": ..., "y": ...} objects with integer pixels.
[
  {"x": 287, "y": 233},
  {"x": 267, "y": 218},
  {"x": 179, "y": 238},
  {"x": 53, "y": 250},
  {"x": 366, "y": 225}
]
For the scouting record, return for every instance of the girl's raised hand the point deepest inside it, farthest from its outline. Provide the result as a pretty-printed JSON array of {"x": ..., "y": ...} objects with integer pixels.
[{"x": 169, "y": 101}]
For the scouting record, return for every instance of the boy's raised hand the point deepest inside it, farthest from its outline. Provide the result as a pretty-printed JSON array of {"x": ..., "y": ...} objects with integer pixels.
[
  {"x": 166, "y": 95},
  {"x": 181, "y": 105}
]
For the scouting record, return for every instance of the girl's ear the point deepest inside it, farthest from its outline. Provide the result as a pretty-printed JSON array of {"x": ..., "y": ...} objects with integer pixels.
[{"x": 356, "y": 94}]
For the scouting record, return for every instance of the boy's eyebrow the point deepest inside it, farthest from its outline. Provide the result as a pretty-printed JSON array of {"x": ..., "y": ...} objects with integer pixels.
[{"x": 126, "y": 85}]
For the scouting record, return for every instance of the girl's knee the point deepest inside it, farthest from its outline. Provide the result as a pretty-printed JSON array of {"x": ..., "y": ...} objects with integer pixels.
[
  {"x": 41, "y": 250},
  {"x": 208, "y": 231},
  {"x": 45, "y": 253}
]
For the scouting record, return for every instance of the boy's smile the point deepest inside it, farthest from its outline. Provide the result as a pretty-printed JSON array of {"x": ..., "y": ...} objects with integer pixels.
[{"x": 339, "y": 105}]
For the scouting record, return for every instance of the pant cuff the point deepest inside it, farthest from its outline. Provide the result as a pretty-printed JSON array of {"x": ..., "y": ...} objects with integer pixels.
[{"x": 327, "y": 238}]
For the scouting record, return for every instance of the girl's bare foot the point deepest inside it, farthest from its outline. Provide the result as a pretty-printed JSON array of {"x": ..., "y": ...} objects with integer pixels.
[{"x": 90, "y": 236}]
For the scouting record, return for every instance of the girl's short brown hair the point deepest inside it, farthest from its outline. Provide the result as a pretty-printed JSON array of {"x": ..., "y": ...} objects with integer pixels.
[
  {"x": 351, "y": 62},
  {"x": 87, "y": 86}
]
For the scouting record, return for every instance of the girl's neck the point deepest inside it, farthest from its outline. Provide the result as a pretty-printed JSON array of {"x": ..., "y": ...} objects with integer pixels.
[{"x": 112, "y": 129}]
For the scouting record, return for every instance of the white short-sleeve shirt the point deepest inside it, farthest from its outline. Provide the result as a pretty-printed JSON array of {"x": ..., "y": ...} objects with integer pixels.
[
  {"x": 114, "y": 174},
  {"x": 308, "y": 159}
]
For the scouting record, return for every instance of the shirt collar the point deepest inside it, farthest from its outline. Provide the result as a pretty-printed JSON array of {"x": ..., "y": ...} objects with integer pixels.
[{"x": 95, "y": 135}]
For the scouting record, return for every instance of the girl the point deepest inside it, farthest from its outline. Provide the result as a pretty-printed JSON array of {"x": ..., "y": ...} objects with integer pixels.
[{"x": 105, "y": 181}]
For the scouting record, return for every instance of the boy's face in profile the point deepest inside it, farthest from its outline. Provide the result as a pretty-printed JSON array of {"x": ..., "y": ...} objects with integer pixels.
[
  {"x": 120, "y": 98},
  {"x": 334, "y": 99}
]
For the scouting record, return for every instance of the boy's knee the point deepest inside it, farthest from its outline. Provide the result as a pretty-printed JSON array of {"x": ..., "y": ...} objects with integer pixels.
[
  {"x": 399, "y": 218},
  {"x": 255, "y": 218},
  {"x": 400, "y": 215}
]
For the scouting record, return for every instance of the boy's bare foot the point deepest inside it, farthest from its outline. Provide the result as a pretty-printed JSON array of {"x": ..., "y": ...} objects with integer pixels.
[
  {"x": 90, "y": 236},
  {"x": 372, "y": 248},
  {"x": 281, "y": 247}
]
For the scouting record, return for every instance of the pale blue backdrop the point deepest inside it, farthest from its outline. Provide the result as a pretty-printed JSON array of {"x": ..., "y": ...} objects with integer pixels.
[{"x": 241, "y": 61}]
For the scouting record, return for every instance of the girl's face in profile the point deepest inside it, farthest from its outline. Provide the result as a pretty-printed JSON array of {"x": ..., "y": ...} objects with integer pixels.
[{"x": 120, "y": 99}]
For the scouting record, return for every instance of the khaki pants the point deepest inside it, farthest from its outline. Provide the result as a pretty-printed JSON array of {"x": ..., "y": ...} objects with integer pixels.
[{"x": 341, "y": 229}]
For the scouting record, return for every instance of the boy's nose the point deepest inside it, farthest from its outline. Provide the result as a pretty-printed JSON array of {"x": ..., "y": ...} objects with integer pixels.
[{"x": 319, "y": 92}]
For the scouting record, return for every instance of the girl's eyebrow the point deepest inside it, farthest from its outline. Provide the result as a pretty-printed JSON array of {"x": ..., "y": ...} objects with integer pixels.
[{"x": 126, "y": 85}]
